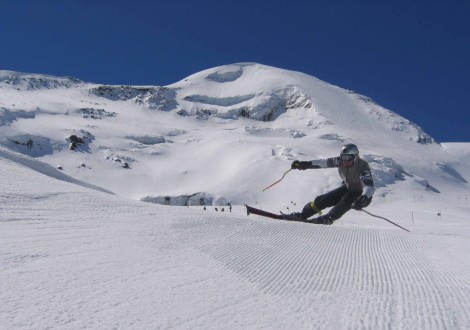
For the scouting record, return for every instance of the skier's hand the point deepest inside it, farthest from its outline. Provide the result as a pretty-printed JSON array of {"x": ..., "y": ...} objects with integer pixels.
[
  {"x": 298, "y": 165},
  {"x": 361, "y": 202},
  {"x": 295, "y": 165}
]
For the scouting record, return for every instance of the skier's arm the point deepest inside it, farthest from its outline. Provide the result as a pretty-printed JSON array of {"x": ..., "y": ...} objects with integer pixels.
[
  {"x": 367, "y": 190},
  {"x": 367, "y": 183},
  {"x": 326, "y": 163},
  {"x": 317, "y": 163}
]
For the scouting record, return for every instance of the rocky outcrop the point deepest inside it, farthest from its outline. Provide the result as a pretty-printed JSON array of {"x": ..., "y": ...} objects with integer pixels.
[{"x": 156, "y": 98}]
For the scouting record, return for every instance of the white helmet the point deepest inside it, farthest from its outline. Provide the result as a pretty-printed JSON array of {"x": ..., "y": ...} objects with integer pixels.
[{"x": 349, "y": 150}]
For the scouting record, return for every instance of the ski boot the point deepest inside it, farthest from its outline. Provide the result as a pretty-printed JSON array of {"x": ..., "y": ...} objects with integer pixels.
[{"x": 323, "y": 220}]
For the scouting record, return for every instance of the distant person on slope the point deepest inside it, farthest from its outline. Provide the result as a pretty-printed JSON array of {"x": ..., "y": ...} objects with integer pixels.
[{"x": 355, "y": 192}]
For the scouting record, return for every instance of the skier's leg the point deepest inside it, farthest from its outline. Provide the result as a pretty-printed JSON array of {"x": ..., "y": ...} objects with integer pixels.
[
  {"x": 321, "y": 202},
  {"x": 340, "y": 208},
  {"x": 309, "y": 210},
  {"x": 330, "y": 198}
]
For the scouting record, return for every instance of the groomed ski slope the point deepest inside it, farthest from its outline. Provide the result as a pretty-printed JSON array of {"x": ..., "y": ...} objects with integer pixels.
[{"x": 72, "y": 258}]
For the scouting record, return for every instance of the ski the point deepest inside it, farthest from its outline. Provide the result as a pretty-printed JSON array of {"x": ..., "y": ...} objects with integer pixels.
[
  {"x": 250, "y": 210},
  {"x": 282, "y": 216}
]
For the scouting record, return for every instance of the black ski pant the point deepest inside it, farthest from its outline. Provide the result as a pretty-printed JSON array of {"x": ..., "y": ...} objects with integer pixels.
[{"x": 340, "y": 199}]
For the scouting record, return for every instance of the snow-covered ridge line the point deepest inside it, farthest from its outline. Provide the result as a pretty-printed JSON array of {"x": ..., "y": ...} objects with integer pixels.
[{"x": 30, "y": 81}]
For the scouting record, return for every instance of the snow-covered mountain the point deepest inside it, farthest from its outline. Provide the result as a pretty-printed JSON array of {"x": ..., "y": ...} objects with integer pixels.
[
  {"x": 79, "y": 250},
  {"x": 220, "y": 135}
]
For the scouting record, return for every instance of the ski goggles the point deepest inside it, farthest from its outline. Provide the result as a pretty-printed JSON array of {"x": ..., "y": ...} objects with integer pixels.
[{"x": 347, "y": 158}]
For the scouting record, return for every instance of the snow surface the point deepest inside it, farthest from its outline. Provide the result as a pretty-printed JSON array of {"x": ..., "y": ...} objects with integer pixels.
[{"x": 79, "y": 250}]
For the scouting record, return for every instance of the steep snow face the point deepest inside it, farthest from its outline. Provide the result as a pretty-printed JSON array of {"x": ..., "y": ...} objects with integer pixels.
[
  {"x": 223, "y": 133},
  {"x": 243, "y": 90},
  {"x": 264, "y": 93}
]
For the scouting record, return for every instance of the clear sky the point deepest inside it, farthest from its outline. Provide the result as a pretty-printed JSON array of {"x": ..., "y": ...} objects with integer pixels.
[{"x": 410, "y": 56}]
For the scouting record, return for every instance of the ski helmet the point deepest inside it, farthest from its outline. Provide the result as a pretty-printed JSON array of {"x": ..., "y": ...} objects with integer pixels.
[{"x": 350, "y": 150}]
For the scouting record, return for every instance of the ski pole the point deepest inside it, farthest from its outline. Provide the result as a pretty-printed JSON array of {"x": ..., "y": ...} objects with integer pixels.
[
  {"x": 277, "y": 180},
  {"x": 376, "y": 216}
]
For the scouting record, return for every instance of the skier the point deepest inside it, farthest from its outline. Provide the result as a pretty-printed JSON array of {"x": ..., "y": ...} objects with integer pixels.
[{"x": 355, "y": 192}]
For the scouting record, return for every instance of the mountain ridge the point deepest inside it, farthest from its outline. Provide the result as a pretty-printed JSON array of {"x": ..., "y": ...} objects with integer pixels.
[{"x": 213, "y": 129}]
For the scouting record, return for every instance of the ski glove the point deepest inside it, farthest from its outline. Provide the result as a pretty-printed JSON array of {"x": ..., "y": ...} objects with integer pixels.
[
  {"x": 298, "y": 165},
  {"x": 361, "y": 202}
]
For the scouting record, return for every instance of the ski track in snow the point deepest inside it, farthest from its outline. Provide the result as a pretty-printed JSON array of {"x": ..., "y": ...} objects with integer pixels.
[{"x": 74, "y": 258}]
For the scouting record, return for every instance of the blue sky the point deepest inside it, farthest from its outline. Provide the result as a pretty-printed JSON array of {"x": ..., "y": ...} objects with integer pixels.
[{"x": 412, "y": 57}]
